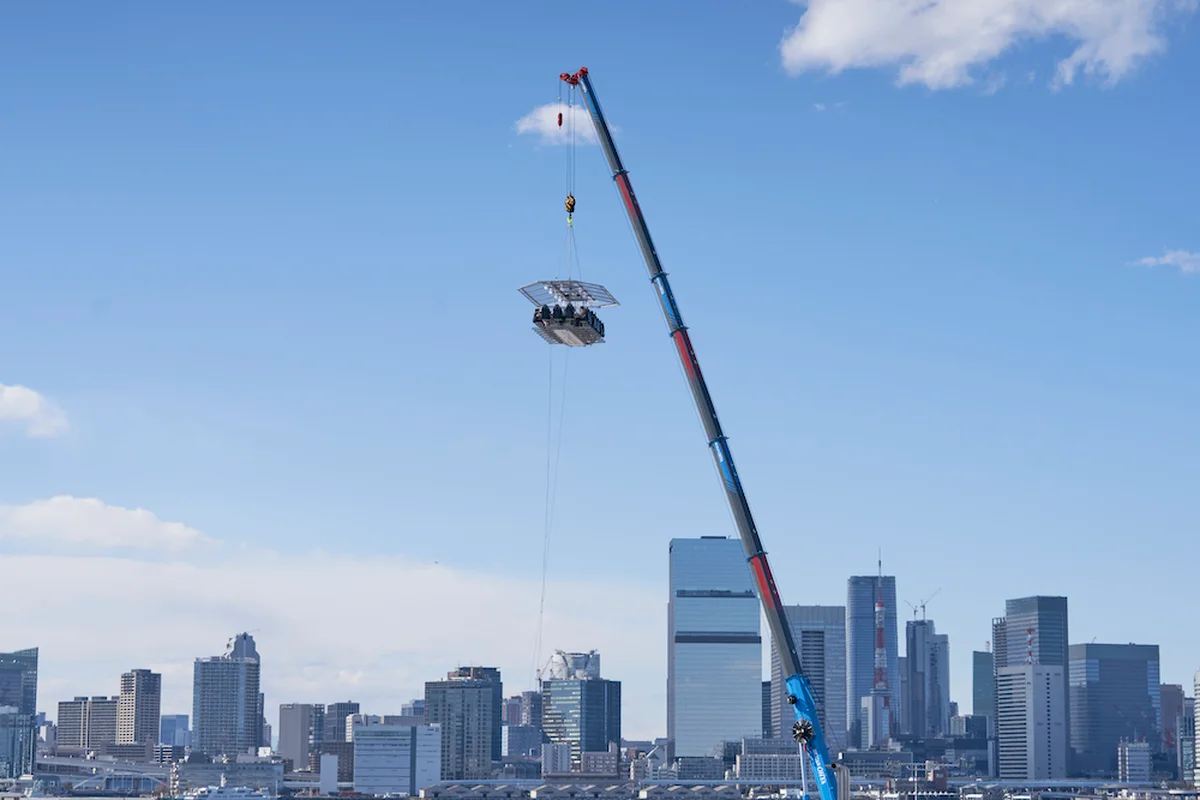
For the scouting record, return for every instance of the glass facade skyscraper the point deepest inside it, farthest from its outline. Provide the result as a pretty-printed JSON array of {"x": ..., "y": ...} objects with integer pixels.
[
  {"x": 18, "y": 692},
  {"x": 983, "y": 687},
  {"x": 584, "y": 714},
  {"x": 861, "y": 592},
  {"x": 1114, "y": 695},
  {"x": 820, "y": 636},
  {"x": 714, "y": 647},
  {"x": 173, "y": 730},
  {"x": 927, "y": 659}
]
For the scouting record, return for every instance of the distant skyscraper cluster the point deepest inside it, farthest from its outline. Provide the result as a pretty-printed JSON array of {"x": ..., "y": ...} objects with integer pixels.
[{"x": 1042, "y": 709}]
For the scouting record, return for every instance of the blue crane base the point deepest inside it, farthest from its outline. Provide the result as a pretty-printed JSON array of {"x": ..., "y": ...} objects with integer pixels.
[{"x": 807, "y": 731}]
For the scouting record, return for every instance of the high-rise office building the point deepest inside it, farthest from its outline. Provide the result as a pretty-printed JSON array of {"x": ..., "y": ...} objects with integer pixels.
[
  {"x": 927, "y": 658},
  {"x": 102, "y": 721},
  {"x": 1033, "y": 630},
  {"x": 17, "y": 739},
  {"x": 88, "y": 723},
  {"x": 72, "y": 722},
  {"x": 768, "y": 717},
  {"x": 18, "y": 680},
  {"x": 1133, "y": 761},
  {"x": 173, "y": 730},
  {"x": 983, "y": 687},
  {"x": 579, "y": 708},
  {"x": 296, "y": 733},
  {"x": 1031, "y": 712},
  {"x": 489, "y": 675},
  {"x": 317, "y": 733},
  {"x": 396, "y": 760},
  {"x": 467, "y": 707},
  {"x": 862, "y": 592},
  {"x": 226, "y": 703},
  {"x": 1114, "y": 695},
  {"x": 18, "y": 692},
  {"x": 264, "y": 738},
  {"x": 523, "y": 741},
  {"x": 511, "y": 714},
  {"x": 820, "y": 636},
  {"x": 138, "y": 707},
  {"x": 335, "y": 720},
  {"x": 1185, "y": 741},
  {"x": 531, "y": 709},
  {"x": 1171, "y": 697},
  {"x": 714, "y": 647}
]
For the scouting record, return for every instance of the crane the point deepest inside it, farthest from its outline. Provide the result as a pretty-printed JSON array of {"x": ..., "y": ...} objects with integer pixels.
[
  {"x": 921, "y": 605},
  {"x": 807, "y": 728}
]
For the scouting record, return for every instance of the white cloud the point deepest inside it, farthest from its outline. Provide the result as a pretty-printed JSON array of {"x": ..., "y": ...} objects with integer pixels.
[
  {"x": 819, "y": 106},
  {"x": 1185, "y": 261},
  {"x": 39, "y": 415},
  {"x": 938, "y": 43},
  {"x": 543, "y": 121},
  {"x": 87, "y": 521},
  {"x": 328, "y": 626}
]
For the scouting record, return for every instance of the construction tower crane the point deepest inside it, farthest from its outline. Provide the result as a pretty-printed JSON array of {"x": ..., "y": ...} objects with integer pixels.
[{"x": 807, "y": 728}]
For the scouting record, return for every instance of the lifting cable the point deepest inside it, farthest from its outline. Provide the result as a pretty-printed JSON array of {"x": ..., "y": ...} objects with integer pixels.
[{"x": 553, "y": 441}]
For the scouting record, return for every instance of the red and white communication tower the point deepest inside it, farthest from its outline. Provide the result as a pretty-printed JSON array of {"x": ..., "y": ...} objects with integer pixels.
[{"x": 879, "y": 704}]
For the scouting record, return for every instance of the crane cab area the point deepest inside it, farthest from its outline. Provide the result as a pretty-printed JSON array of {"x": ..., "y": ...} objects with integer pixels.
[{"x": 564, "y": 314}]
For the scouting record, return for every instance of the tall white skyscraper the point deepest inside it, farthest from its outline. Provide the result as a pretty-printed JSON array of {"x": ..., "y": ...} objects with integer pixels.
[
  {"x": 714, "y": 647},
  {"x": 1031, "y": 722},
  {"x": 1034, "y": 630},
  {"x": 820, "y": 636}
]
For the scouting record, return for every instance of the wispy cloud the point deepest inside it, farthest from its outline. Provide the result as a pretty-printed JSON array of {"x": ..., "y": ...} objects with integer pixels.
[
  {"x": 329, "y": 626},
  {"x": 938, "y": 43},
  {"x": 24, "y": 406},
  {"x": 89, "y": 522},
  {"x": 543, "y": 122},
  {"x": 1186, "y": 262}
]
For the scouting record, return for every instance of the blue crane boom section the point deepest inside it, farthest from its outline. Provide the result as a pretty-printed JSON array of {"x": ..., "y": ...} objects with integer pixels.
[{"x": 807, "y": 729}]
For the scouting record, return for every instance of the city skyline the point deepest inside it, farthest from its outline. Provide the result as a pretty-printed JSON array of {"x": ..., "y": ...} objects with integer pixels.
[
  {"x": 930, "y": 323},
  {"x": 1114, "y": 697},
  {"x": 964, "y": 684}
]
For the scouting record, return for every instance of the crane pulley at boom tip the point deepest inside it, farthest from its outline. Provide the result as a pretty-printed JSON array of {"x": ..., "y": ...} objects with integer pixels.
[{"x": 807, "y": 729}]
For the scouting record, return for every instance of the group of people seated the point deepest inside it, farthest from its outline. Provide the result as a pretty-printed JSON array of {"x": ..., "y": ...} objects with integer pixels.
[{"x": 569, "y": 315}]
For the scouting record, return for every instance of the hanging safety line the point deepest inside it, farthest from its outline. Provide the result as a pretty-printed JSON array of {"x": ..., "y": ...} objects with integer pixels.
[{"x": 553, "y": 441}]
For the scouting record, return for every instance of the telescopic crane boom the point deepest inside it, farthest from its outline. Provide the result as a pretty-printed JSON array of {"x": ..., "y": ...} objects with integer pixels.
[{"x": 807, "y": 728}]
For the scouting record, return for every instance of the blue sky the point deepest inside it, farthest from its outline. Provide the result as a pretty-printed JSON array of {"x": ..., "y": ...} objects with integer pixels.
[{"x": 260, "y": 267}]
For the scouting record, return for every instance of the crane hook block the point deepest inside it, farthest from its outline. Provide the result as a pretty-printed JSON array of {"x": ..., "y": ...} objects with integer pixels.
[
  {"x": 560, "y": 119},
  {"x": 570, "y": 204}
]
